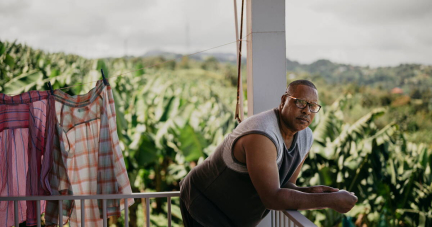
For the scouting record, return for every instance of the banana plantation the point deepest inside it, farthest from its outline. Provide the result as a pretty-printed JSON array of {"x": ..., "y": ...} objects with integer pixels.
[{"x": 171, "y": 115}]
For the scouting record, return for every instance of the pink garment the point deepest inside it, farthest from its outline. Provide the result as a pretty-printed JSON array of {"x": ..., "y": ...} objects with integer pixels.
[{"x": 24, "y": 123}]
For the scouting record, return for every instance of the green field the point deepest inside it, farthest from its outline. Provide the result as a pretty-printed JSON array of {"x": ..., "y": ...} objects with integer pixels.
[{"x": 172, "y": 114}]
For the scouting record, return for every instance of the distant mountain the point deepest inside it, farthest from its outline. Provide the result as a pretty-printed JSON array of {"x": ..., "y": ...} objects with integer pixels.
[
  {"x": 221, "y": 57},
  {"x": 292, "y": 65},
  {"x": 160, "y": 53},
  {"x": 408, "y": 77}
]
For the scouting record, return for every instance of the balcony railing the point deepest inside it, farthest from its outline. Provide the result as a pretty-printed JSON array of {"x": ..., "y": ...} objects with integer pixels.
[
  {"x": 289, "y": 218},
  {"x": 104, "y": 197},
  {"x": 278, "y": 218}
]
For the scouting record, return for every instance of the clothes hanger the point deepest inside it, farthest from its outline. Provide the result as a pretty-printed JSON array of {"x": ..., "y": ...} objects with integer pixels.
[
  {"x": 50, "y": 87},
  {"x": 103, "y": 78}
]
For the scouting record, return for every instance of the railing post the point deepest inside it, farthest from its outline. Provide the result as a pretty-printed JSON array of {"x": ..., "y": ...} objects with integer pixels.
[
  {"x": 280, "y": 218},
  {"x": 297, "y": 219},
  {"x": 16, "y": 213},
  {"x": 60, "y": 203},
  {"x": 169, "y": 211},
  {"x": 104, "y": 212},
  {"x": 82, "y": 213},
  {"x": 38, "y": 212},
  {"x": 126, "y": 212},
  {"x": 147, "y": 212},
  {"x": 272, "y": 218}
]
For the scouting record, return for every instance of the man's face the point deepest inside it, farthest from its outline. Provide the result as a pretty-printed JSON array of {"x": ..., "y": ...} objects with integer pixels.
[{"x": 294, "y": 118}]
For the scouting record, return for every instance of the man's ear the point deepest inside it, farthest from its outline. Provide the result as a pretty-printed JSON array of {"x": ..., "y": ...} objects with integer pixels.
[{"x": 283, "y": 99}]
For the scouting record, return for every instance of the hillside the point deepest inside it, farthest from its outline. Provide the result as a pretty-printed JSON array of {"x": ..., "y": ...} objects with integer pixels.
[{"x": 23, "y": 68}]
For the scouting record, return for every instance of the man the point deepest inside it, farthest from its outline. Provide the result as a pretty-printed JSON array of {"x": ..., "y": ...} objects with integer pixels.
[{"x": 255, "y": 169}]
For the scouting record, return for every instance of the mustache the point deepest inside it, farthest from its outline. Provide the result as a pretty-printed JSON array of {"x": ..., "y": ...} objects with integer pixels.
[{"x": 304, "y": 117}]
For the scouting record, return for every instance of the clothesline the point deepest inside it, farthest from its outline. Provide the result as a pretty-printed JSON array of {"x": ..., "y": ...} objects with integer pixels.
[
  {"x": 160, "y": 63},
  {"x": 239, "y": 113}
]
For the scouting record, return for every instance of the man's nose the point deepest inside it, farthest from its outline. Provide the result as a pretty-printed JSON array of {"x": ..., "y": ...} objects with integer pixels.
[{"x": 306, "y": 110}]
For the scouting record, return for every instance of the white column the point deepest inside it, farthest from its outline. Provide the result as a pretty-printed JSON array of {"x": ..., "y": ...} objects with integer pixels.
[
  {"x": 266, "y": 58},
  {"x": 266, "y": 54}
]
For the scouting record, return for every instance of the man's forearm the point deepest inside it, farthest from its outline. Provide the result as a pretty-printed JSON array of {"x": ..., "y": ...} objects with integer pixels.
[
  {"x": 289, "y": 199},
  {"x": 295, "y": 187}
]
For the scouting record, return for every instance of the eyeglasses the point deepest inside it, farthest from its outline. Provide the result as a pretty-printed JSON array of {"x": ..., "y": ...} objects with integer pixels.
[{"x": 301, "y": 104}]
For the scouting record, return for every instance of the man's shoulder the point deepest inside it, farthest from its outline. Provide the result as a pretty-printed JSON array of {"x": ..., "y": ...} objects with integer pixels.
[
  {"x": 262, "y": 126},
  {"x": 265, "y": 116},
  {"x": 262, "y": 122}
]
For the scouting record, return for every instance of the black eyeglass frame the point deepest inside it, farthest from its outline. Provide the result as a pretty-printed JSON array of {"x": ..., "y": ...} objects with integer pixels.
[{"x": 307, "y": 104}]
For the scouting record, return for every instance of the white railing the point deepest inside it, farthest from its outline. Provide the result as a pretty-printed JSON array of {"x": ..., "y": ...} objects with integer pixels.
[
  {"x": 289, "y": 218},
  {"x": 104, "y": 197}
]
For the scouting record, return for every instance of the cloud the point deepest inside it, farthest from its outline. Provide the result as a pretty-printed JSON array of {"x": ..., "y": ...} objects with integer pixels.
[
  {"x": 10, "y": 7},
  {"x": 378, "y": 13},
  {"x": 365, "y": 32},
  {"x": 358, "y": 32},
  {"x": 103, "y": 28},
  {"x": 389, "y": 22}
]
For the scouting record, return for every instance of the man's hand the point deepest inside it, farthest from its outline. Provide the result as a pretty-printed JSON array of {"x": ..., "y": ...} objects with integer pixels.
[
  {"x": 320, "y": 189},
  {"x": 344, "y": 201}
]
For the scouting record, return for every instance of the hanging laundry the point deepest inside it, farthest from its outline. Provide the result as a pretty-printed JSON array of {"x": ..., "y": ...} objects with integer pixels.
[
  {"x": 25, "y": 130},
  {"x": 87, "y": 149}
]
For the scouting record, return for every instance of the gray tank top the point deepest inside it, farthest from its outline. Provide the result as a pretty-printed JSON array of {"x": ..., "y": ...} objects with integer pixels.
[{"x": 219, "y": 191}]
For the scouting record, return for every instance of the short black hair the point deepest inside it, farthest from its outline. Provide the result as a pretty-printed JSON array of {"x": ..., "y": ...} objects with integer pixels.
[{"x": 295, "y": 83}]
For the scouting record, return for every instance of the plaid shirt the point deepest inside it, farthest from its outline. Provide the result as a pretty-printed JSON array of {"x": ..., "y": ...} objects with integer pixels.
[
  {"x": 87, "y": 157},
  {"x": 24, "y": 133}
]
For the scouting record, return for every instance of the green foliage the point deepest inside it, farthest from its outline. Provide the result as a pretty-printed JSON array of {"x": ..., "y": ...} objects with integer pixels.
[
  {"x": 166, "y": 122},
  {"x": 172, "y": 115},
  {"x": 409, "y": 77},
  {"x": 373, "y": 88},
  {"x": 171, "y": 123},
  {"x": 23, "y": 68},
  {"x": 390, "y": 176}
]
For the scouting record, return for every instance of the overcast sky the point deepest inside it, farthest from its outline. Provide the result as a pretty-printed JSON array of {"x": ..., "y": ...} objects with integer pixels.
[{"x": 366, "y": 32}]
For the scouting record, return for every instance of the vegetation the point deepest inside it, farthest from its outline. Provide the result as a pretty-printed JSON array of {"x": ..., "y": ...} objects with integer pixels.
[
  {"x": 391, "y": 176},
  {"x": 172, "y": 114},
  {"x": 405, "y": 90}
]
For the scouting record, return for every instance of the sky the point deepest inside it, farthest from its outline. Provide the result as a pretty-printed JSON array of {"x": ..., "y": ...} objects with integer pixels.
[{"x": 366, "y": 33}]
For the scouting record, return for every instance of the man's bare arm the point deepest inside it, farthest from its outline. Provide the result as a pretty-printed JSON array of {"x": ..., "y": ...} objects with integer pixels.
[{"x": 261, "y": 164}]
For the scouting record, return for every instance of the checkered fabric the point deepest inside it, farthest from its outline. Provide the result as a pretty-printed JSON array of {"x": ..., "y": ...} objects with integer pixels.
[
  {"x": 25, "y": 131},
  {"x": 88, "y": 150}
]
